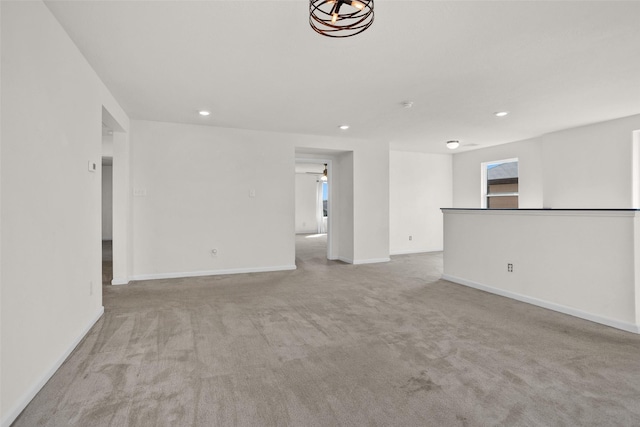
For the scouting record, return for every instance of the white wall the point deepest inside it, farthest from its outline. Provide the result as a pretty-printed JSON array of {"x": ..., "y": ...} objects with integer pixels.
[
  {"x": 197, "y": 181},
  {"x": 306, "y": 203},
  {"x": 50, "y": 203},
  {"x": 122, "y": 212},
  {"x": 590, "y": 166},
  {"x": 344, "y": 207},
  {"x": 2, "y": 417},
  {"x": 107, "y": 202},
  {"x": 582, "y": 263},
  {"x": 419, "y": 185},
  {"x": 467, "y": 181},
  {"x": 585, "y": 167}
]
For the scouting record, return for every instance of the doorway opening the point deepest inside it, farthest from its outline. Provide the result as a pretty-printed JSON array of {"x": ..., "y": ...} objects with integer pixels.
[
  {"x": 107, "y": 205},
  {"x": 313, "y": 209}
]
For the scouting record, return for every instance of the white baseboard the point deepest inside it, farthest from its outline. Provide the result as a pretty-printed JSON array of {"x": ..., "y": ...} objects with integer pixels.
[
  {"x": 371, "y": 260},
  {"x": 363, "y": 261},
  {"x": 418, "y": 251},
  {"x": 31, "y": 393},
  {"x": 625, "y": 326},
  {"x": 212, "y": 272},
  {"x": 120, "y": 281}
]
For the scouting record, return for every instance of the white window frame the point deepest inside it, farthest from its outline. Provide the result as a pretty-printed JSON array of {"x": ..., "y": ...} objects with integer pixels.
[{"x": 483, "y": 181}]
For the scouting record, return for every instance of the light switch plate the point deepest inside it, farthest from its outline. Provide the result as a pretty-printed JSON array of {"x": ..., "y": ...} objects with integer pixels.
[{"x": 93, "y": 166}]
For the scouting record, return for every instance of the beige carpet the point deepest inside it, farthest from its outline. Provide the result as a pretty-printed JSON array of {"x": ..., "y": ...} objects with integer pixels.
[{"x": 335, "y": 344}]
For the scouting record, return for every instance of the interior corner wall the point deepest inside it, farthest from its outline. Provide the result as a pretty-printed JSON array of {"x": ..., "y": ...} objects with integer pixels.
[
  {"x": 590, "y": 166},
  {"x": 467, "y": 181},
  {"x": 419, "y": 185},
  {"x": 306, "y": 203},
  {"x": 50, "y": 202}
]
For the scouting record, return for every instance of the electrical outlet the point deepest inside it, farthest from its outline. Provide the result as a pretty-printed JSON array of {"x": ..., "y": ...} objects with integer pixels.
[
  {"x": 214, "y": 252},
  {"x": 410, "y": 237},
  {"x": 510, "y": 268}
]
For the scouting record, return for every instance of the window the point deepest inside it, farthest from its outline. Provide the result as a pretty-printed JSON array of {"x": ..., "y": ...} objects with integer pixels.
[
  {"x": 500, "y": 184},
  {"x": 325, "y": 197}
]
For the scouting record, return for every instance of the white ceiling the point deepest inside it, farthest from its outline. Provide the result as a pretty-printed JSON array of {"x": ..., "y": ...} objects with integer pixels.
[{"x": 258, "y": 65}]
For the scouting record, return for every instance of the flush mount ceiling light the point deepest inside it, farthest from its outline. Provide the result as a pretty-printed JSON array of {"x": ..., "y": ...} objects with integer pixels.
[
  {"x": 501, "y": 113},
  {"x": 324, "y": 174},
  {"x": 344, "y": 127},
  {"x": 340, "y": 18},
  {"x": 453, "y": 144},
  {"x": 204, "y": 113}
]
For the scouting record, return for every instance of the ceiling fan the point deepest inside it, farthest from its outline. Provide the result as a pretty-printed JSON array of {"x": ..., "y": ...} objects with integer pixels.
[{"x": 324, "y": 176}]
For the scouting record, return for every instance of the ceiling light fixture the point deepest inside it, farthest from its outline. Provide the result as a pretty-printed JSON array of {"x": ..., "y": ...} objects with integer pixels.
[
  {"x": 204, "y": 113},
  {"x": 340, "y": 18},
  {"x": 407, "y": 104},
  {"x": 453, "y": 144},
  {"x": 501, "y": 113},
  {"x": 344, "y": 127}
]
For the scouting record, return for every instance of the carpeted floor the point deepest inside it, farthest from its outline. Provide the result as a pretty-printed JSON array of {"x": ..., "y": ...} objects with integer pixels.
[{"x": 334, "y": 344}]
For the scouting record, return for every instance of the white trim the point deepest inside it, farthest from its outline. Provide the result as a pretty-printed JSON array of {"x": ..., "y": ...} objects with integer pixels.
[
  {"x": 31, "y": 393},
  {"x": 363, "y": 261},
  {"x": 625, "y": 326},
  {"x": 371, "y": 260},
  {"x": 178, "y": 275},
  {"x": 413, "y": 251},
  {"x": 120, "y": 281}
]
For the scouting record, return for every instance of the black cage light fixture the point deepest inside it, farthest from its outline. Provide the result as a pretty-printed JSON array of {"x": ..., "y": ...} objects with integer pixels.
[{"x": 340, "y": 18}]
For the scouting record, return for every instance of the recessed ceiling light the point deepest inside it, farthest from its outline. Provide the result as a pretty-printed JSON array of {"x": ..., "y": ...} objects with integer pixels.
[
  {"x": 204, "y": 113},
  {"x": 407, "y": 104},
  {"x": 344, "y": 127},
  {"x": 501, "y": 113},
  {"x": 453, "y": 144}
]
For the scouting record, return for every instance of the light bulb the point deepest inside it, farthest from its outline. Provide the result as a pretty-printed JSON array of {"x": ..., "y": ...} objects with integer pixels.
[
  {"x": 334, "y": 18},
  {"x": 357, "y": 4}
]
